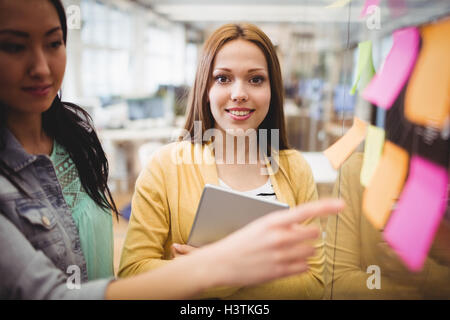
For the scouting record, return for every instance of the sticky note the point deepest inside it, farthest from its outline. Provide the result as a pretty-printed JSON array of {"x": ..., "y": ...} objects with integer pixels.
[
  {"x": 367, "y": 5},
  {"x": 427, "y": 100},
  {"x": 372, "y": 153},
  {"x": 387, "y": 84},
  {"x": 410, "y": 230},
  {"x": 386, "y": 184},
  {"x": 364, "y": 69},
  {"x": 344, "y": 147},
  {"x": 338, "y": 3}
]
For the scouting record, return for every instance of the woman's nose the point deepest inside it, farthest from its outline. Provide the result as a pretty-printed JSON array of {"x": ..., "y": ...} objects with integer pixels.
[
  {"x": 39, "y": 66},
  {"x": 239, "y": 92}
]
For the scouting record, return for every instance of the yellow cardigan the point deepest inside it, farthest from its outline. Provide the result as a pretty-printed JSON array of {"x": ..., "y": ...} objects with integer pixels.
[
  {"x": 359, "y": 245},
  {"x": 164, "y": 204}
]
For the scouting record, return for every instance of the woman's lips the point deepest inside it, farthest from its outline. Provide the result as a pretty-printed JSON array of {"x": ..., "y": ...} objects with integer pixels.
[
  {"x": 39, "y": 91},
  {"x": 240, "y": 114}
]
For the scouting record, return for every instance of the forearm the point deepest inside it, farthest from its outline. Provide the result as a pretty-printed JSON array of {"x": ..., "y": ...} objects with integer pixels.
[
  {"x": 189, "y": 276},
  {"x": 143, "y": 267},
  {"x": 306, "y": 285},
  {"x": 131, "y": 266},
  {"x": 170, "y": 281}
]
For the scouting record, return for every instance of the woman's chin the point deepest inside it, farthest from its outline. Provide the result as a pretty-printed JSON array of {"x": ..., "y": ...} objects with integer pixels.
[{"x": 32, "y": 107}]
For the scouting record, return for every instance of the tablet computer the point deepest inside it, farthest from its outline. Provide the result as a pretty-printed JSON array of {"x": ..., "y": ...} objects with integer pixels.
[{"x": 221, "y": 212}]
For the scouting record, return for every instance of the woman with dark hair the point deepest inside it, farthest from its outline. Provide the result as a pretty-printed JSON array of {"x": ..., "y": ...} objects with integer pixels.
[
  {"x": 55, "y": 220},
  {"x": 63, "y": 131},
  {"x": 234, "y": 137}
]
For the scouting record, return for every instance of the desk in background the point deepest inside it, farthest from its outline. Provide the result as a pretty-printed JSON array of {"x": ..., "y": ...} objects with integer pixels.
[{"x": 128, "y": 149}]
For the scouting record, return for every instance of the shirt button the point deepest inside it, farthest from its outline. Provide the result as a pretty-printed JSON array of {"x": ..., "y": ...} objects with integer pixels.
[{"x": 46, "y": 221}]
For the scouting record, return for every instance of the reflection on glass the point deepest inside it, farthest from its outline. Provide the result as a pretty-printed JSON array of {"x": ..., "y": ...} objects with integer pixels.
[{"x": 361, "y": 265}]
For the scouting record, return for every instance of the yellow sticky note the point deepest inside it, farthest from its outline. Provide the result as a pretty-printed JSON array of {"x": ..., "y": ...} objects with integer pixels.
[
  {"x": 364, "y": 68},
  {"x": 338, "y": 3},
  {"x": 344, "y": 147},
  {"x": 386, "y": 184},
  {"x": 427, "y": 100},
  {"x": 372, "y": 153}
]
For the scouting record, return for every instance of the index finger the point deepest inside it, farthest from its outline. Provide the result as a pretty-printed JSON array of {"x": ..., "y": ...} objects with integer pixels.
[{"x": 309, "y": 210}]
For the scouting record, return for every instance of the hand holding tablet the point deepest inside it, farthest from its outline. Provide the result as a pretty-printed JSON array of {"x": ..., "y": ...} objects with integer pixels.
[{"x": 221, "y": 212}]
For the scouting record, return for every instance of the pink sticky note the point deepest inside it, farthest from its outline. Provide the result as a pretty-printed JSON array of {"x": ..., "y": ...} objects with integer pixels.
[
  {"x": 411, "y": 228},
  {"x": 387, "y": 84},
  {"x": 367, "y": 5}
]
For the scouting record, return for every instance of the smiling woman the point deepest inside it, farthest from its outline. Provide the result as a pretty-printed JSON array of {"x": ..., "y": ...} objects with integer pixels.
[
  {"x": 39, "y": 132},
  {"x": 263, "y": 72},
  {"x": 55, "y": 205},
  {"x": 237, "y": 88},
  {"x": 239, "y": 95},
  {"x": 33, "y": 60}
]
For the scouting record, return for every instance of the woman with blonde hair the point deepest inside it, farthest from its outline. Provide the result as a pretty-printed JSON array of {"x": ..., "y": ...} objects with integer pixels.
[{"x": 234, "y": 137}]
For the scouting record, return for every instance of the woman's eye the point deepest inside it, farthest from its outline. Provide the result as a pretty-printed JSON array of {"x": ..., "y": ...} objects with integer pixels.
[
  {"x": 12, "y": 47},
  {"x": 257, "y": 80},
  {"x": 56, "y": 44},
  {"x": 221, "y": 79}
]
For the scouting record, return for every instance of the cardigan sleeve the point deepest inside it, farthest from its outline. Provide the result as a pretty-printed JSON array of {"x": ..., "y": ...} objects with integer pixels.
[
  {"x": 310, "y": 284},
  {"x": 148, "y": 228}
]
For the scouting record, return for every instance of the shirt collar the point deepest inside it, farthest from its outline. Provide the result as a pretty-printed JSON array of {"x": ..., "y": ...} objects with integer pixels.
[{"x": 13, "y": 154}]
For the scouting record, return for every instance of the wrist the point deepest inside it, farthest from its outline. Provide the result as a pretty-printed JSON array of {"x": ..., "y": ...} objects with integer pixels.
[{"x": 207, "y": 269}]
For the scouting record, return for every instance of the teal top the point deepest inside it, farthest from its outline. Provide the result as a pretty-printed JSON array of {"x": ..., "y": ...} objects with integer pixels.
[{"x": 94, "y": 223}]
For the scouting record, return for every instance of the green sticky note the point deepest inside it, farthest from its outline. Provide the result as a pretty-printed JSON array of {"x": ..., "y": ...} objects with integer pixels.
[
  {"x": 372, "y": 153},
  {"x": 364, "y": 68}
]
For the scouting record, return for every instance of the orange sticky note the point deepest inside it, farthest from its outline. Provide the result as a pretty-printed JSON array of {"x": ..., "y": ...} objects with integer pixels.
[
  {"x": 344, "y": 147},
  {"x": 386, "y": 184},
  {"x": 427, "y": 100}
]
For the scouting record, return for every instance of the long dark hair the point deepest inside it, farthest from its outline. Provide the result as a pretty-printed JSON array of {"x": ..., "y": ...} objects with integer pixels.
[{"x": 72, "y": 128}]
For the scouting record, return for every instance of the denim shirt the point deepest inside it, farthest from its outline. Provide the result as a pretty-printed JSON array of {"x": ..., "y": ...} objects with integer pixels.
[{"x": 40, "y": 251}]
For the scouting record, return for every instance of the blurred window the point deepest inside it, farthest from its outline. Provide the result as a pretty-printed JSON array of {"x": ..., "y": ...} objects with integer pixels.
[{"x": 106, "y": 38}]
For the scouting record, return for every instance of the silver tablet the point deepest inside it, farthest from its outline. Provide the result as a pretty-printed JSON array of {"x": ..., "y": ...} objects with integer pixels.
[{"x": 221, "y": 212}]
